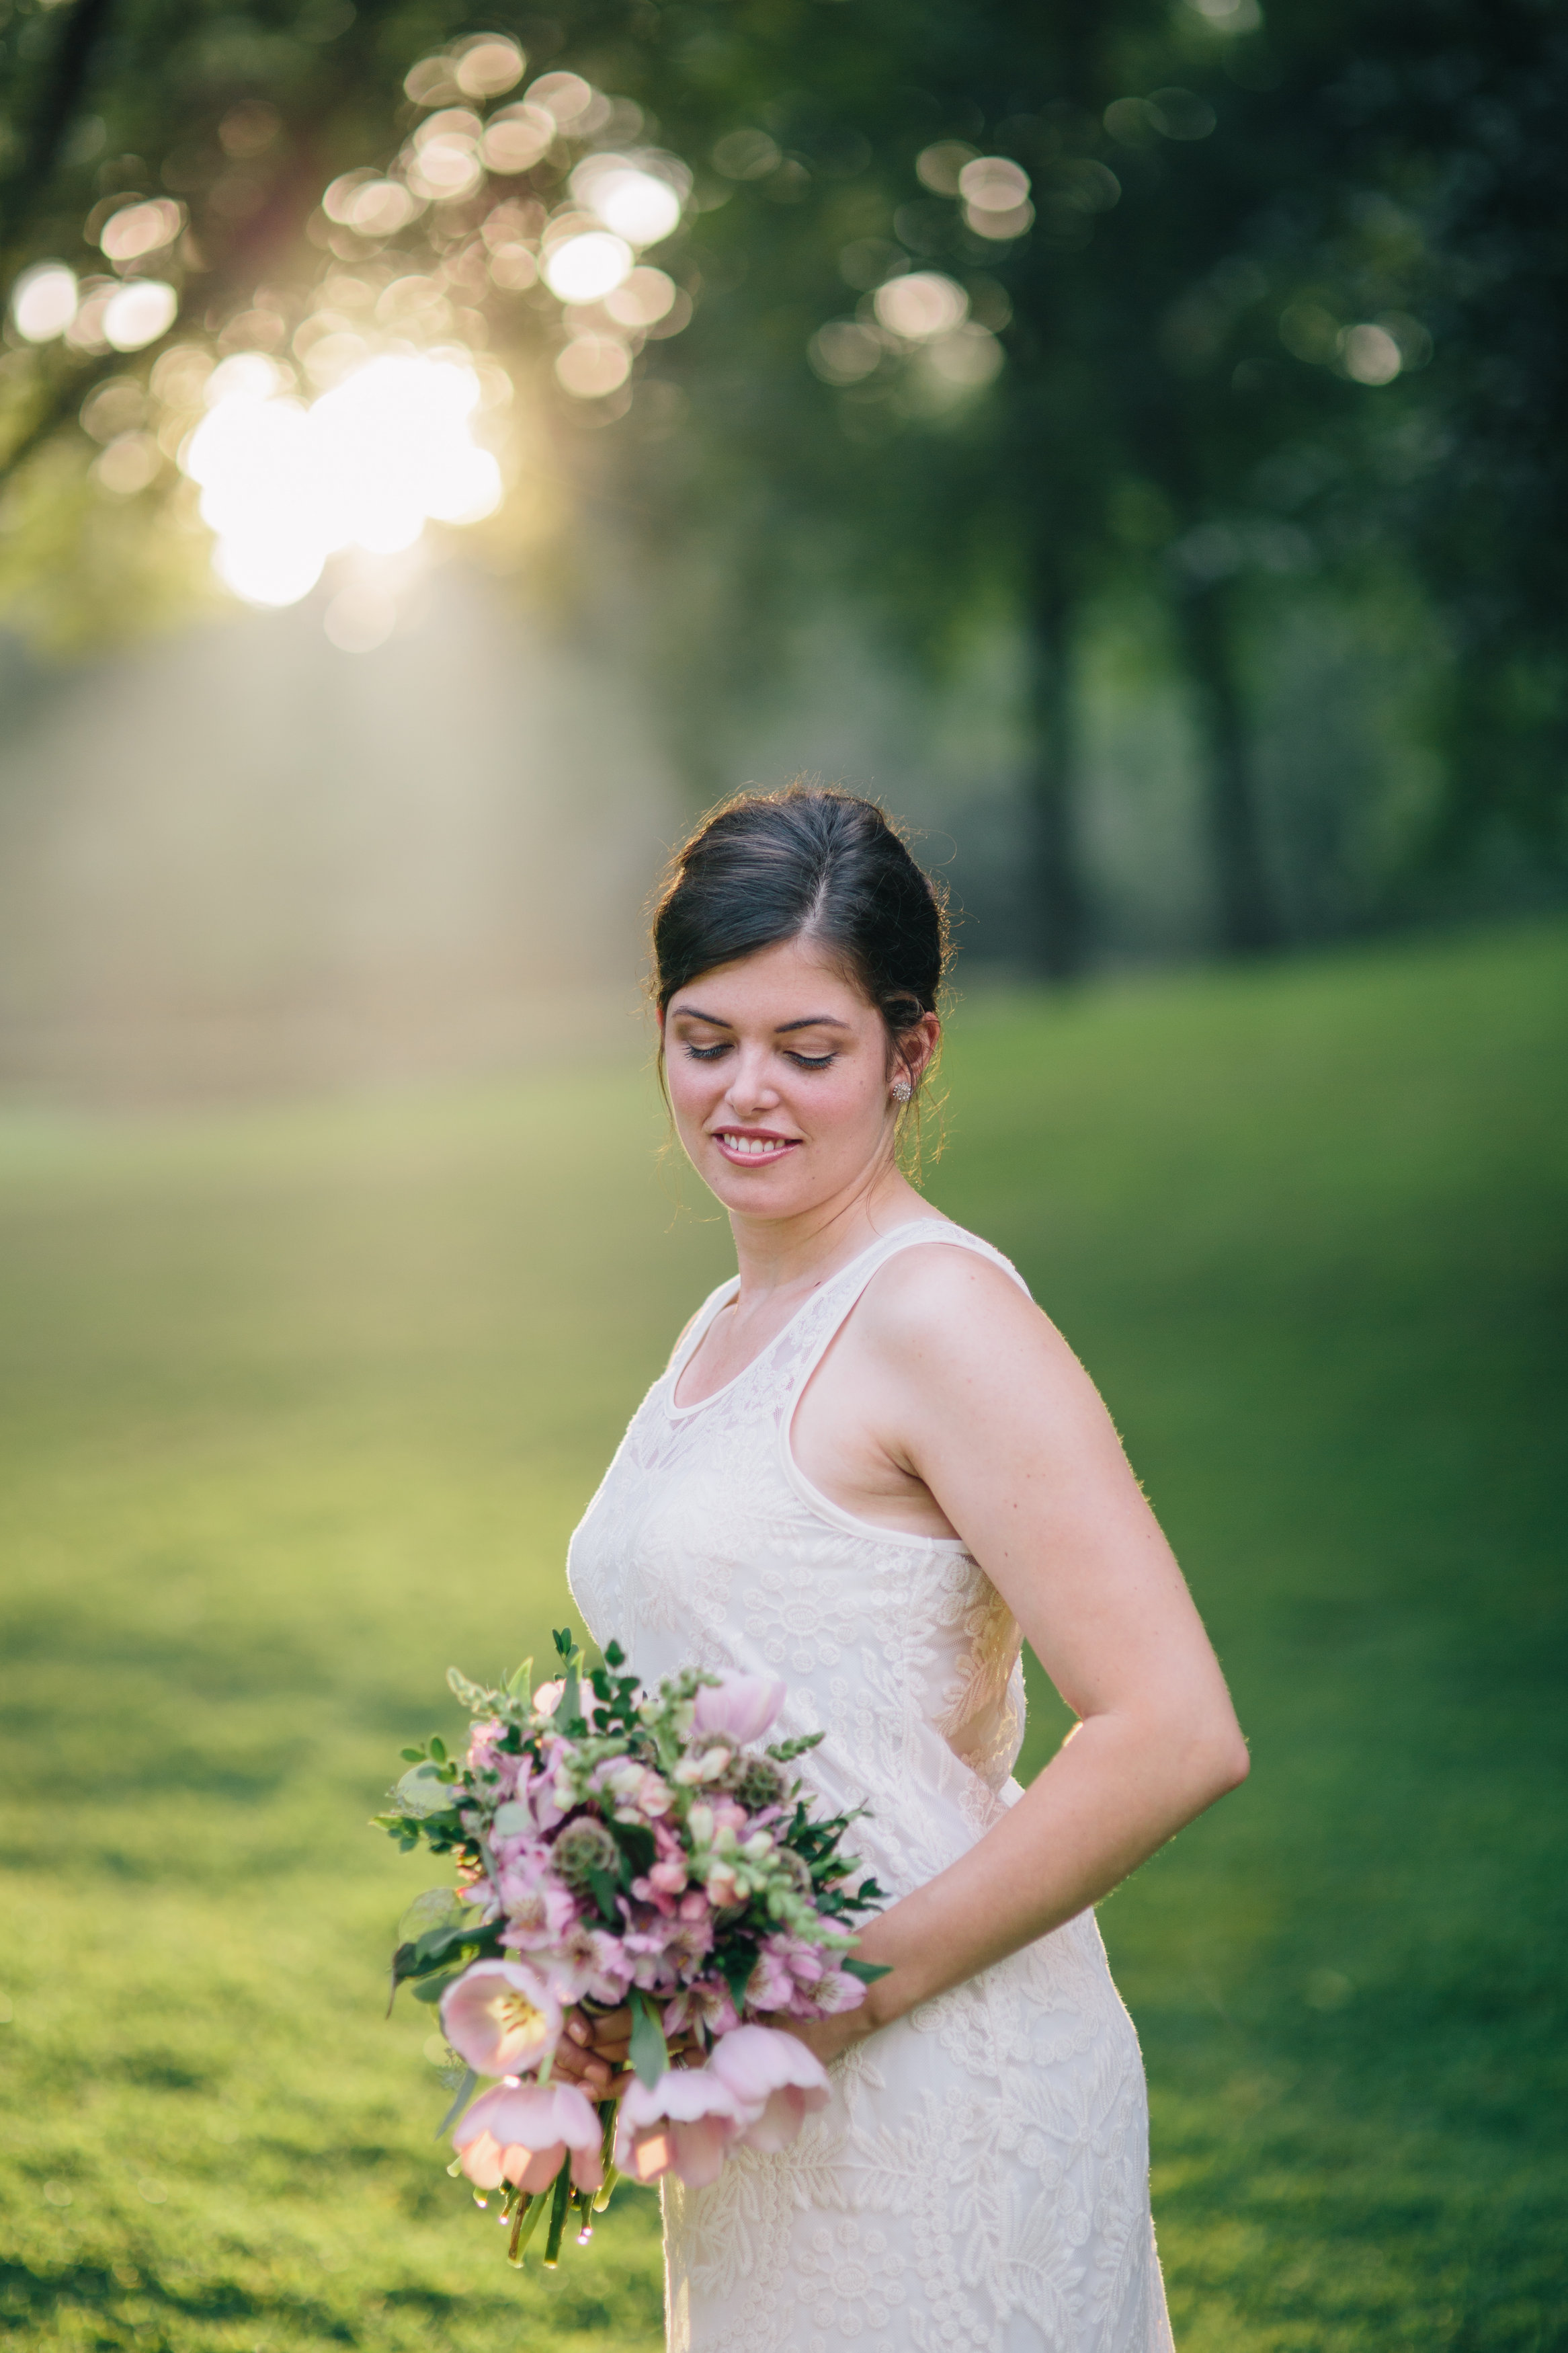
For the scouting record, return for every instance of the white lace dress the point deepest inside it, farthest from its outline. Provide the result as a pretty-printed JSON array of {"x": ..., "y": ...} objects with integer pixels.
[{"x": 980, "y": 2178}]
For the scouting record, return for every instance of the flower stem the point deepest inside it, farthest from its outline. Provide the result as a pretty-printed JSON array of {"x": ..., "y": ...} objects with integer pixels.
[
  {"x": 528, "y": 2210},
  {"x": 558, "y": 2204}
]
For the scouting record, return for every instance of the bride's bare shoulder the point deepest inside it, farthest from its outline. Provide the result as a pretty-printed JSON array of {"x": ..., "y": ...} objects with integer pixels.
[
  {"x": 950, "y": 1329},
  {"x": 940, "y": 1291}
]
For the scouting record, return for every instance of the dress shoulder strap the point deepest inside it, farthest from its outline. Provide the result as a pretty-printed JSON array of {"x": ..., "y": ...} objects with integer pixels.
[
  {"x": 841, "y": 1296},
  {"x": 691, "y": 1339}
]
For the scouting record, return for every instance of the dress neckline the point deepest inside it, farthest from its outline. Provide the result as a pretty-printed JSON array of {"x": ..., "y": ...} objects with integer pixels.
[{"x": 721, "y": 1298}]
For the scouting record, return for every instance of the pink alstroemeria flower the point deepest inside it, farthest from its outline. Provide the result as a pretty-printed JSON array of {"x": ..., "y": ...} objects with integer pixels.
[
  {"x": 770, "y": 1985},
  {"x": 706, "y": 2004},
  {"x": 683, "y": 2125},
  {"x": 739, "y": 1707},
  {"x": 836, "y": 1989},
  {"x": 502, "y": 2017},
  {"x": 587, "y": 1961},
  {"x": 539, "y": 1910},
  {"x": 518, "y": 2133},
  {"x": 775, "y": 2080},
  {"x": 483, "y": 1756}
]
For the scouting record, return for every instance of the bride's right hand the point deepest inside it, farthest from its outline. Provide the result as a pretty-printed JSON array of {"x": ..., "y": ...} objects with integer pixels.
[
  {"x": 595, "y": 2050},
  {"x": 592, "y": 2052}
]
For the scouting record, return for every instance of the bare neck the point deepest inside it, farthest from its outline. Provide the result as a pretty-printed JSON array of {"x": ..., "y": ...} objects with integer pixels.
[{"x": 787, "y": 1254}]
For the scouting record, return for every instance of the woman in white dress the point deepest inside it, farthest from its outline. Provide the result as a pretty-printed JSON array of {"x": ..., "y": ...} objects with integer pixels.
[{"x": 870, "y": 1462}]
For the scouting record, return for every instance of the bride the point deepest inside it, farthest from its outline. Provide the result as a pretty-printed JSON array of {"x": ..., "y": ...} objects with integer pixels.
[{"x": 871, "y": 1464}]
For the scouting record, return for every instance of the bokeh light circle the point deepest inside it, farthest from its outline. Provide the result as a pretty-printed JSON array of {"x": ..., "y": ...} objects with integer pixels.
[{"x": 44, "y": 302}]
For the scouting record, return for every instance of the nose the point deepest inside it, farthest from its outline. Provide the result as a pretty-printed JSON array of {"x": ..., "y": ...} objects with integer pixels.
[{"x": 750, "y": 1090}]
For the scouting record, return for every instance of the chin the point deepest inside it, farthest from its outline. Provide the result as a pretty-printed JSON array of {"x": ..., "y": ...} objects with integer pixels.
[{"x": 755, "y": 1196}]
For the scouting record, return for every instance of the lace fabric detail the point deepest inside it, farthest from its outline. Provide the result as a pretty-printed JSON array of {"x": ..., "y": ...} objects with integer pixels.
[{"x": 979, "y": 2177}]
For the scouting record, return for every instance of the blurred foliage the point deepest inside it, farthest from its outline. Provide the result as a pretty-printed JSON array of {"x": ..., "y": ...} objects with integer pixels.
[
  {"x": 300, "y": 1405},
  {"x": 1287, "y": 308}
]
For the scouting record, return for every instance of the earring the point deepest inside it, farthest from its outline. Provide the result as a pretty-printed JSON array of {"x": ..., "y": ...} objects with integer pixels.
[{"x": 902, "y": 1090}]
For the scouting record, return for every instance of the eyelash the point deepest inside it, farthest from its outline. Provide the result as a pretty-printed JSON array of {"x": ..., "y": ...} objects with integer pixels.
[{"x": 803, "y": 1061}]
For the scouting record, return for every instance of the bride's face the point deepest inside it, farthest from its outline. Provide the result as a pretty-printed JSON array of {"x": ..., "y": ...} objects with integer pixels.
[{"x": 780, "y": 1080}]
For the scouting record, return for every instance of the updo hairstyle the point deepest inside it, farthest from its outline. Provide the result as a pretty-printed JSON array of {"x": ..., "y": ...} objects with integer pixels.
[{"x": 808, "y": 863}]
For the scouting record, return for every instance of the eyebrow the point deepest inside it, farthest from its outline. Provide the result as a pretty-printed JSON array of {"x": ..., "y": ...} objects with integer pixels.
[{"x": 717, "y": 1020}]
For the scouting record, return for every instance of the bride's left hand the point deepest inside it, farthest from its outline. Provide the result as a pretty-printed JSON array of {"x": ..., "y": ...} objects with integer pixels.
[{"x": 828, "y": 2037}]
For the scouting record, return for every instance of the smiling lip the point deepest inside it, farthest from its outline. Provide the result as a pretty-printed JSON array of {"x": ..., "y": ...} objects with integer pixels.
[{"x": 752, "y": 1147}]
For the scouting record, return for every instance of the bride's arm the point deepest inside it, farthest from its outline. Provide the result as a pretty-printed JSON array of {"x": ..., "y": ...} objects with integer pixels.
[{"x": 971, "y": 1391}]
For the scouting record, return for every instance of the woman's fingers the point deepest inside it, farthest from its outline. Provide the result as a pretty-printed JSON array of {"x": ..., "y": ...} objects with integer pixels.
[
  {"x": 600, "y": 2028},
  {"x": 592, "y": 2048}
]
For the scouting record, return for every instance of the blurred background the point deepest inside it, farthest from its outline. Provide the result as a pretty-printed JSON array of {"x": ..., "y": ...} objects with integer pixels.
[{"x": 438, "y": 458}]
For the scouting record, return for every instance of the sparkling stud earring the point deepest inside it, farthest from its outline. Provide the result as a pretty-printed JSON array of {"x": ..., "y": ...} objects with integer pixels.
[{"x": 902, "y": 1090}]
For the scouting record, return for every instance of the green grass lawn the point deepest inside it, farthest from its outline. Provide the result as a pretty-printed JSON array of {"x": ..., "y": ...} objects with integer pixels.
[{"x": 300, "y": 1405}]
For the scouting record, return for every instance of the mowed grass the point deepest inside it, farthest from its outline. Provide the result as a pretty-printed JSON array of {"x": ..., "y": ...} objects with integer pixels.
[{"x": 300, "y": 1406}]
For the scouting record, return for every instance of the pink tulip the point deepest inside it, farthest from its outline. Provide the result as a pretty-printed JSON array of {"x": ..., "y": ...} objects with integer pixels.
[
  {"x": 502, "y": 2017},
  {"x": 518, "y": 2133},
  {"x": 683, "y": 2125},
  {"x": 739, "y": 1707},
  {"x": 776, "y": 2082}
]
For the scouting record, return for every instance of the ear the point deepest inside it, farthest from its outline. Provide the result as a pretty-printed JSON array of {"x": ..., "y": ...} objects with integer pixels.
[{"x": 917, "y": 1045}]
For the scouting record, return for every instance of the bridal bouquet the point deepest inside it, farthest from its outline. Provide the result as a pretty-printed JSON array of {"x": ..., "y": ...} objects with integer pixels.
[{"x": 619, "y": 1849}]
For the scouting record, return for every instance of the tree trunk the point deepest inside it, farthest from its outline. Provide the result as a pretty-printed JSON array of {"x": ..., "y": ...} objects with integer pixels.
[
  {"x": 1057, "y": 908},
  {"x": 51, "y": 110},
  {"x": 1247, "y": 920}
]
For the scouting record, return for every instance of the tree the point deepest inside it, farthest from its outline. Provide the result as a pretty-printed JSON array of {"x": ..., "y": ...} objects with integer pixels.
[{"x": 988, "y": 305}]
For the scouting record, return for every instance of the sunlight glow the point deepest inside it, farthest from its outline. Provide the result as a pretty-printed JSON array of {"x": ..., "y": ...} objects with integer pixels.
[{"x": 284, "y": 486}]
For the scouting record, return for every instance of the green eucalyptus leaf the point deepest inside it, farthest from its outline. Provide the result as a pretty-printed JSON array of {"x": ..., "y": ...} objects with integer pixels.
[
  {"x": 649, "y": 2052},
  {"x": 432, "y": 1989},
  {"x": 423, "y": 1791},
  {"x": 434, "y": 1909},
  {"x": 603, "y": 1888},
  {"x": 466, "y": 2091},
  {"x": 735, "y": 1966}
]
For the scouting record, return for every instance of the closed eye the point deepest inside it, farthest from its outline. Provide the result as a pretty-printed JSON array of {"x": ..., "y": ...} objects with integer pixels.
[{"x": 813, "y": 1061}]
